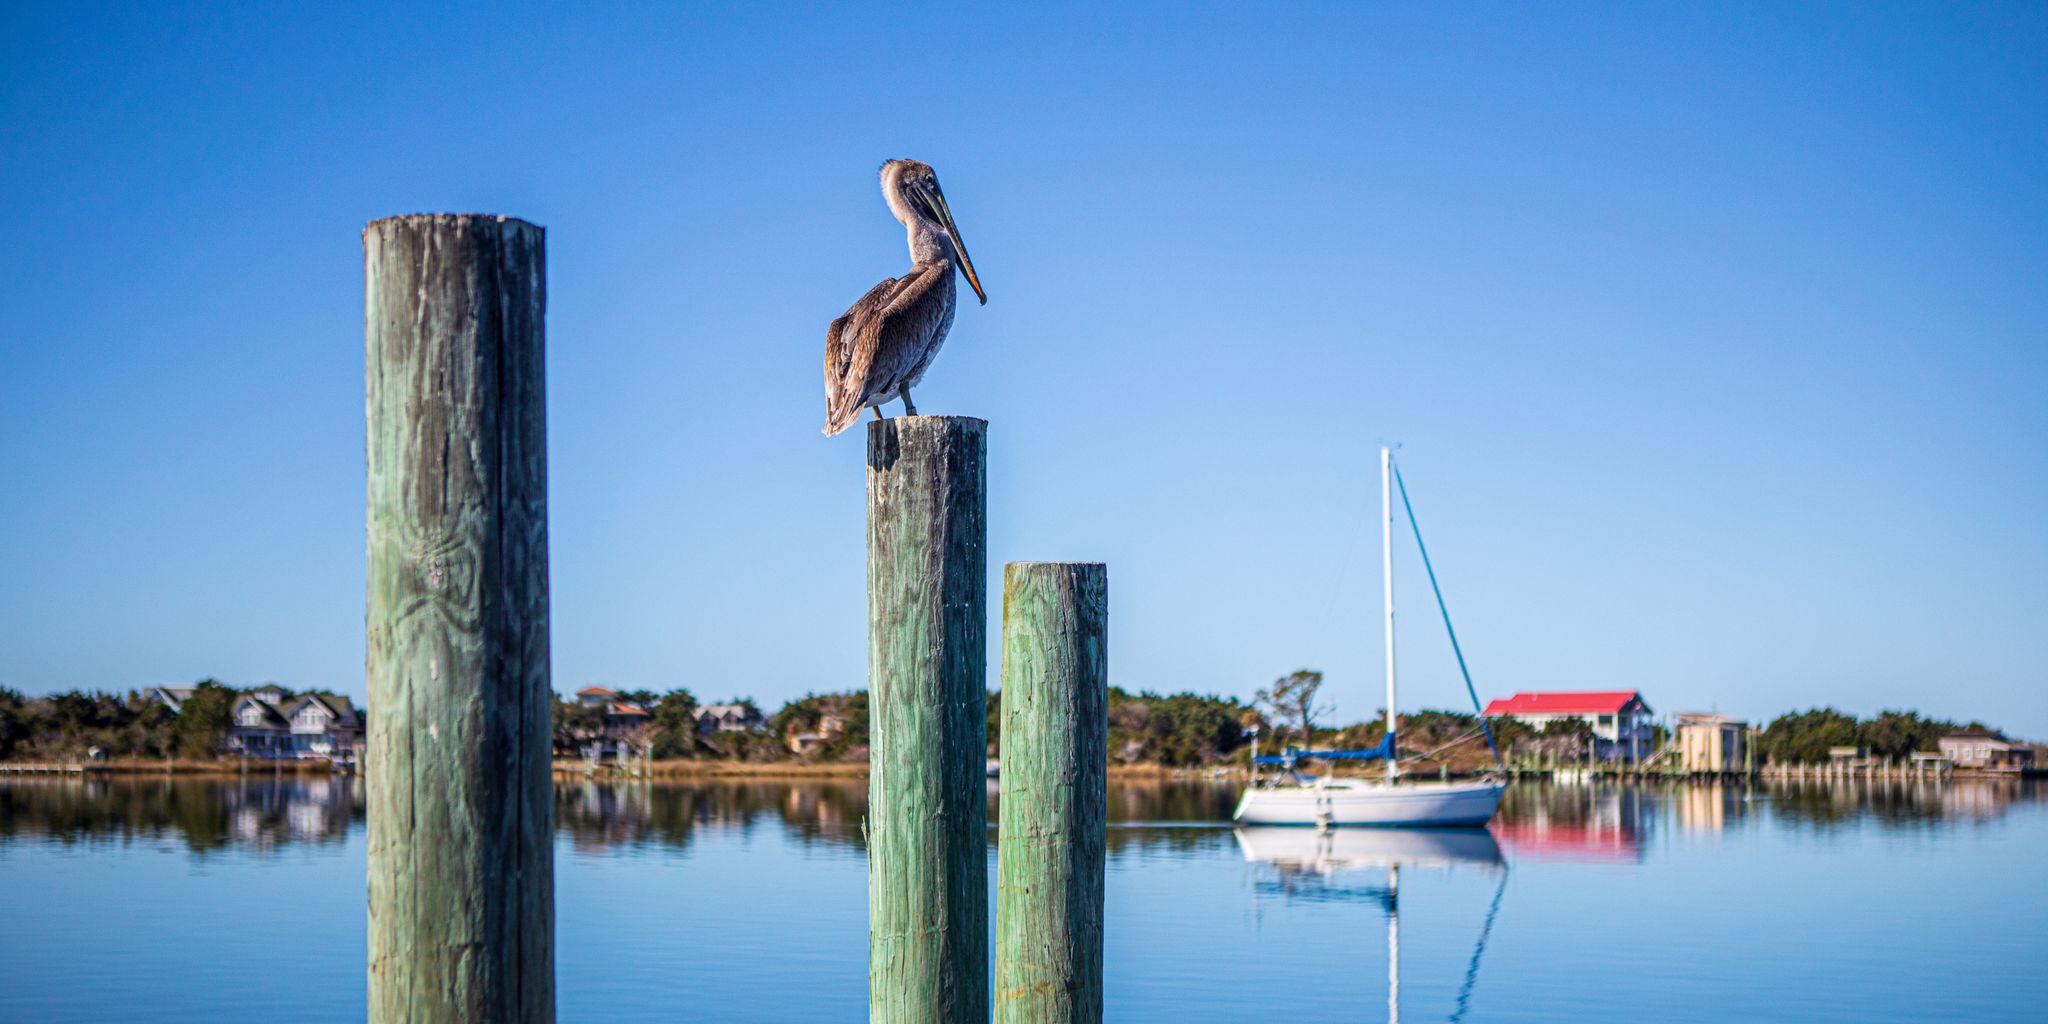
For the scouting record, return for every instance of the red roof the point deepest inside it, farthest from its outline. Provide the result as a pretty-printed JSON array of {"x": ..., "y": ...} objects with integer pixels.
[
  {"x": 594, "y": 691},
  {"x": 629, "y": 709},
  {"x": 1589, "y": 702}
]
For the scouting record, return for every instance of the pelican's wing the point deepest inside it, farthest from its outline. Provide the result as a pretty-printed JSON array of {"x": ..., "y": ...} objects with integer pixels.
[
  {"x": 840, "y": 336},
  {"x": 877, "y": 344}
]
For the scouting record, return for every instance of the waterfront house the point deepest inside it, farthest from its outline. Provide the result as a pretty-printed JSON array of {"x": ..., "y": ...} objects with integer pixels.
[
  {"x": 1986, "y": 751},
  {"x": 730, "y": 718},
  {"x": 622, "y": 731},
  {"x": 267, "y": 723},
  {"x": 831, "y": 726},
  {"x": 257, "y": 728},
  {"x": 324, "y": 725},
  {"x": 624, "y": 716},
  {"x": 1619, "y": 719},
  {"x": 1712, "y": 743}
]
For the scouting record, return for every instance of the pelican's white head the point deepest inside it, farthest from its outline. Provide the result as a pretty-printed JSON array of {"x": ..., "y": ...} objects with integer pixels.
[{"x": 912, "y": 190}]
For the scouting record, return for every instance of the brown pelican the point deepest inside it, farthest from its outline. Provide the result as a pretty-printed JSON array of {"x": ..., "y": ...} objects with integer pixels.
[{"x": 883, "y": 344}]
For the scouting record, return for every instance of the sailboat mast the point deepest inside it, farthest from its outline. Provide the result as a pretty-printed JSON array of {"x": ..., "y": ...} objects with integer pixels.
[
  {"x": 1387, "y": 588},
  {"x": 1394, "y": 943}
]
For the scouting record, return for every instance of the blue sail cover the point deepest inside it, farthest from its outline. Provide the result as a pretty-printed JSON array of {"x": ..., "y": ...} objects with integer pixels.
[{"x": 1384, "y": 750}]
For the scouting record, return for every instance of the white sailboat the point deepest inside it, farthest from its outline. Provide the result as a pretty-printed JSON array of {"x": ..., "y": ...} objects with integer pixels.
[{"x": 1324, "y": 801}]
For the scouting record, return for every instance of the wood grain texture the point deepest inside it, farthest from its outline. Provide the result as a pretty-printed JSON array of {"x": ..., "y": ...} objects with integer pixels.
[
  {"x": 1054, "y": 813},
  {"x": 461, "y": 874},
  {"x": 927, "y": 657}
]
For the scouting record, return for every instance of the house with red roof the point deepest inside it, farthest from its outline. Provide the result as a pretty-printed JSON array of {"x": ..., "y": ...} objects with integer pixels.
[
  {"x": 1621, "y": 720},
  {"x": 622, "y": 720},
  {"x": 620, "y": 715}
]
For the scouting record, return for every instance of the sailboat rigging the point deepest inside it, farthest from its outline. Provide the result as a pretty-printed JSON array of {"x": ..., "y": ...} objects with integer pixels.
[{"x": 1324, "y": 801}]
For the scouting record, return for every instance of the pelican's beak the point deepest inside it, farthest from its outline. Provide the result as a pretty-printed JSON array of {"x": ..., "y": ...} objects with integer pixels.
[{"x": 938, "y": 204}]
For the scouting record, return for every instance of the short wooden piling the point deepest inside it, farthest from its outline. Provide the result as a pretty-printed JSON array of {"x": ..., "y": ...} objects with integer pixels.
[
  {"x": 461, "y": 874},
  {"x": 927, "y": 824},
  {"x": 1054, "y": 813}
]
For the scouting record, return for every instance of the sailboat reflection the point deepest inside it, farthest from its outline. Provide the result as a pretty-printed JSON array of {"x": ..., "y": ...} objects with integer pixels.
[{"x": 1310, "y": 864}]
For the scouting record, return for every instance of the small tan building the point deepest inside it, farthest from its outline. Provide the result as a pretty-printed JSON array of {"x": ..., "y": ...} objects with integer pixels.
[
  {"x": 1976, "y": 750},
  {"x": 1712, "y": 743}
]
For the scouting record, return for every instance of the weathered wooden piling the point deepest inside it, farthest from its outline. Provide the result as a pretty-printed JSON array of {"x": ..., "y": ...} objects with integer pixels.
[
  {"x": 461, "y": 877},
  {"x": 927, "y": 660},
  {"x": 1054, "y": 813}
]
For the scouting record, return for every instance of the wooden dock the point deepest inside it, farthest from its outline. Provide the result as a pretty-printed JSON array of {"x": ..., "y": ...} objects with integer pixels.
[{"x": 46, "y": 768}]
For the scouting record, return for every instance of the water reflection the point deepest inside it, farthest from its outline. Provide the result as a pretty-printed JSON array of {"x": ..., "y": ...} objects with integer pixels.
[
  {"x": 1896, "y": 803},
  {"x": 1576, "y": 822},
  {"x": 261, "y": 812},
  {"x": 1315, "y": 864},
  {"x": 1606, "y": 822},
  {"x": 597, "y": 815},
  {"x": 1339, "y": 864}
]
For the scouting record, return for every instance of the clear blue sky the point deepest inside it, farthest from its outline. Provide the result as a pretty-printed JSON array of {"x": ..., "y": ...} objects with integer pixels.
[{"x": 1717, "y": 338}]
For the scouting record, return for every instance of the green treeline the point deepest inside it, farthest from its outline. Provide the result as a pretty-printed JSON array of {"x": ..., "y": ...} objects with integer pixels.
[
  {"x": 66, "y": 725},
  {"x": 1804, "y": 737},
  {"x": 1176, "y": 730}
]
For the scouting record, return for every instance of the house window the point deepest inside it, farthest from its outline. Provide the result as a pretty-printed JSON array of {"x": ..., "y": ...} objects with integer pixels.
[{"x": 1606, "y": 719}]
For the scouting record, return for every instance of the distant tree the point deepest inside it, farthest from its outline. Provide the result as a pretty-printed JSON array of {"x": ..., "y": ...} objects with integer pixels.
[
  {"x": 1291, "y": 703},
  {"x": 575, "y": 724},
  {"x": 148, "y": 732},
  {"x": 644, "y": 698},
  {"x": 14, "y": 720},
  {"x": 674, "y": 728},
  {"x": 201, "y": 727},
  {"x": 993, "y": 723},
  {"x": 839, "y": 719},
  {"x": 1803, "y": 737},
  {"x": 1510, "y": 732},
  {"x": 1894, "y": 735},
  {"x": 1176, "y": 730}
]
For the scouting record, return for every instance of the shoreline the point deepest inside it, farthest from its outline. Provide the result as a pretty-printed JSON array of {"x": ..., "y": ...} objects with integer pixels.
[
  {"x": 685, "y": 768},
  {"x": 180, "y": 766}
]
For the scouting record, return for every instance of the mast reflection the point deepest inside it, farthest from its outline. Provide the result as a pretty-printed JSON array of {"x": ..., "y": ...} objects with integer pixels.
[{"x": 1311, "y": 864}]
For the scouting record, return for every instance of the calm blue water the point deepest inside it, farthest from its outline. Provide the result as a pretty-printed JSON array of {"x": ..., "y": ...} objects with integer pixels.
[{"x": 224, "y": 901}]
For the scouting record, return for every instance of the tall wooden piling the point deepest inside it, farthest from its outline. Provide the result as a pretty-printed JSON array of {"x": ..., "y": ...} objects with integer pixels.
[
  {"x": 1054, "y": 813},
  {"x": 461, "y": 875},
  {"x": 927, "y": 659}
]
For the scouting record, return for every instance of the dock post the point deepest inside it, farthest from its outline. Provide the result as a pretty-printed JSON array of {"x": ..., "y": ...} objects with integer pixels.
[
  {"x": 1054, "y": 813},
  {"x": 927, "y": 828},
  {"x": 460, "y": 815}
]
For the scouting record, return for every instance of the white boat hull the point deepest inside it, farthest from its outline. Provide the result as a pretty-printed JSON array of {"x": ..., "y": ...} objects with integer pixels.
[
  {"x": 1356, "y": 803},
  {"x": 1327, "y": 850}
]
